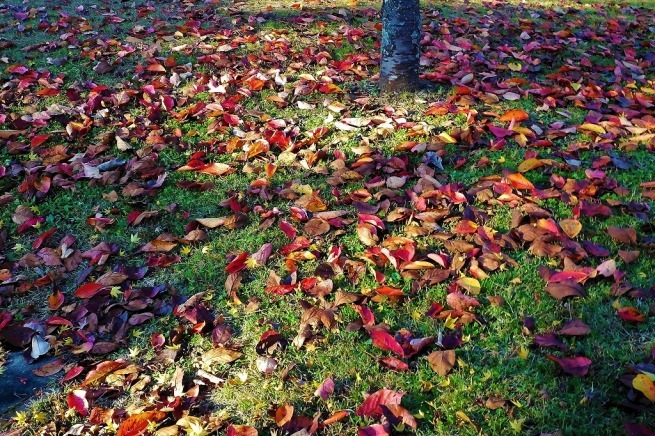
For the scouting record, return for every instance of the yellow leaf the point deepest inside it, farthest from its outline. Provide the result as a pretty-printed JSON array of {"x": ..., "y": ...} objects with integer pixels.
[
  {"x": 445, "y": 137},
  {"x": 592, "y": 128},
  {"x": 450, "y": 323},
  {"x": 302, "y": 189},
  {"x": 514, "y": 66},
  {"x": 464, "y": 417},
  {"x": 645, "y": 385},
  {"x": 517, "y": 425},
  {"x": 470, "y": 284},
  {"x": 522, "y": 353}
]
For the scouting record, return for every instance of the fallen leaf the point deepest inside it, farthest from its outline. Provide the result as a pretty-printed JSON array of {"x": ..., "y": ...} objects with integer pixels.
[
  {"x": 576, "y": 366},
  {"x": 442, "y": 362},
  {"x": 645, "y": 385},
  {"x": 371, "y": 405}
]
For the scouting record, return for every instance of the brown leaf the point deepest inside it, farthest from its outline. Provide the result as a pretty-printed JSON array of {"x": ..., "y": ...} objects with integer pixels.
[
  {"x": 50, "y": 368},
  {"x": 316, "y": 226},
  {"x": 102, "y": 370},
  {"x": 283, "y": 414},
  {"x": 442, "y": 362},
  {"x": 629, "y": 256},
  {"x": 158, "y": 246},
  {"x": 219, "y": 356},
  {"x": 626, "y": 236},
  {"x": 111, "y": 278},
  {"x": 241, "y": 430},
  {"x": 575, "y": 327},
  {"x": 566, "y": 288},
  {"x": 494, "y": 403}
]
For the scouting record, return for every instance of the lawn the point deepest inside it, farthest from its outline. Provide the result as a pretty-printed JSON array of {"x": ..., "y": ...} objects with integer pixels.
[{"x": 212, "y": 221}]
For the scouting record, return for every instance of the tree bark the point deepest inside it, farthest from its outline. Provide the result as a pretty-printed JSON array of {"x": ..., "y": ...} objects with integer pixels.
[{"x": 400, "y": 50}]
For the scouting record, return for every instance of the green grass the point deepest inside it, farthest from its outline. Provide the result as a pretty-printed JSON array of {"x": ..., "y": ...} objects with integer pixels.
[{"x": 497, "y": 358}]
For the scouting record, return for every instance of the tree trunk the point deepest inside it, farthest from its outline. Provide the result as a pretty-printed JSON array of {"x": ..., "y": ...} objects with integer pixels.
[{"x": 400, "y": 51}]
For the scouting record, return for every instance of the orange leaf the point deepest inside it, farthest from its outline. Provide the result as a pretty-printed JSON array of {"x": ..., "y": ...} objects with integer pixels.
[
  {"x": 518, "y": 181},
  {"x": 516, "y": 115},
  {"x": 530, "y": 164},
  {"x": 156, "y": 68},
  {"x": 137, "y": 424},
  {"x": 571, "y": 227},
  {"x": 283, "y": 414}
]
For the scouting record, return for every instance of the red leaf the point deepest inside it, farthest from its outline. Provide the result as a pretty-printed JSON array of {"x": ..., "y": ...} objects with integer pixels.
[
  {"x": 371, "y": 405},
  {"x": 630, "y": 314},
  {"x": 72, "y": 373},
  {"x": 58, "y": 320},
  {"x": 288, "y": 229},
  {"x": 42, "y": 238},
  {"x": 373, "y": 430},
  {"x": 392, "y": 293},
  {"x": 88, "y": 290},
  {"x": 385, "y": 341},
  {"x": 368, "y": 318},
  {"x": 237, "y": 264},
  {"x": 231, "y": 119},
  {"x": 576, "y": 366},
  {"x": 394, "y": 364},
  {"x": 77, "y": 400}
]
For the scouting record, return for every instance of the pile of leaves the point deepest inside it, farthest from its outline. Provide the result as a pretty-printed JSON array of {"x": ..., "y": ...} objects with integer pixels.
[{"x": 363, "y": 223}]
